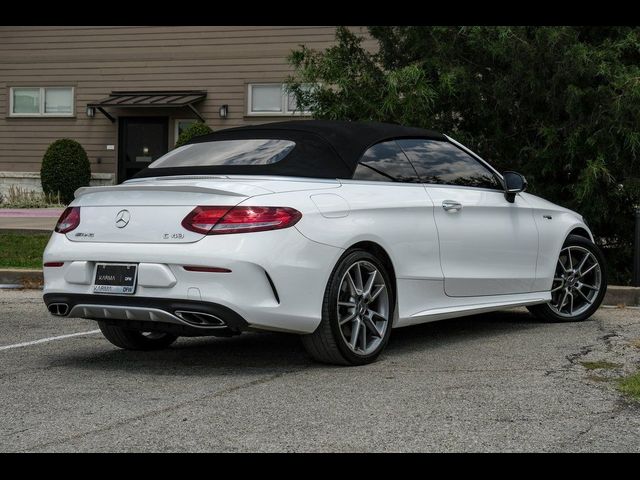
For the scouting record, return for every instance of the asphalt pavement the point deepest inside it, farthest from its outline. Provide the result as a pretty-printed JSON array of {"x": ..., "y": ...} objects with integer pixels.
[{"x": 495, "y": 382}]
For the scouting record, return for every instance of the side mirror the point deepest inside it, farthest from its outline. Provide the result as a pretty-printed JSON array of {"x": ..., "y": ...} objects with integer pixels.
[{"x": 513, "y": 183}]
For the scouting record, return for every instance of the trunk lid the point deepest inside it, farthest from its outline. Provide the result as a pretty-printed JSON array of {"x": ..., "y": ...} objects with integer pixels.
[{"x": 151, "y": 211}]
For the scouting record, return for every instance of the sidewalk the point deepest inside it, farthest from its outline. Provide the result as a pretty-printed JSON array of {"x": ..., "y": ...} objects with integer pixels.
[{"x": 29, "y": 218}]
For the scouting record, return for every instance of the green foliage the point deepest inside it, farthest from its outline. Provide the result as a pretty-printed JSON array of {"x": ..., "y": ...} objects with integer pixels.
[
  {"x": 630, "y": 385},
  {"x": 559, "y": 104},
  {"x": 65, "y": 168},
  {"x": 194, "y": 130}
]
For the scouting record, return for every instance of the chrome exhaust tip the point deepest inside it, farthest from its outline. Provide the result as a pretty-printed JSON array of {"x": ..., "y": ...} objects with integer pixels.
[
  {"x": 58, "y": 309},
  {"x": 199, "y": 318}
]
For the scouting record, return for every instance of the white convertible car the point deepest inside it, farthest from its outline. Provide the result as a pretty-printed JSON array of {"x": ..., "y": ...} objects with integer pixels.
[{"x": 336, "y": 231}]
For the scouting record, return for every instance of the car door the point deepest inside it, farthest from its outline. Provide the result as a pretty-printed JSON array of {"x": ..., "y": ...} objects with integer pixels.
[{"x": 488, "y": 246}]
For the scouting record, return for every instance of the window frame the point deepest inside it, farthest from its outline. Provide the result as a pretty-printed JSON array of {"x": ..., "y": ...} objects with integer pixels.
[
  {"x": 284, "y": 102},
  {"x": 176, "y": 124},
  {"x": 473, "y": 156},
  {"x": 41, "y": 104},
  {"x": 482, "y": 161}
]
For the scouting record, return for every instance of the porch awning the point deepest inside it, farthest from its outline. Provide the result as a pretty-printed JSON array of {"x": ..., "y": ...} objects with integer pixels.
[{"x": 150, "y": 99}]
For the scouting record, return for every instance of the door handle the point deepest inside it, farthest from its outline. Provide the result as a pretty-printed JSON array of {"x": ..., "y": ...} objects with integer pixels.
[{"x": 451, "y": 206}]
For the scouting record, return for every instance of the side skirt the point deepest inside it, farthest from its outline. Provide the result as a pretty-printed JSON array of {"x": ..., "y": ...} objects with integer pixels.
[{"x": 473, "y": 306}]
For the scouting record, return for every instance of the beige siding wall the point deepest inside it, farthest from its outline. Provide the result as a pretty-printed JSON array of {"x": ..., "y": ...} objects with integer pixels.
[{"x": 97, "y": 60}]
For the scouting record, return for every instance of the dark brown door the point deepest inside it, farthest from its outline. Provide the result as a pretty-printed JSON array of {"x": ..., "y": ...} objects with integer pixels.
[{"x": 141, "y": 141}]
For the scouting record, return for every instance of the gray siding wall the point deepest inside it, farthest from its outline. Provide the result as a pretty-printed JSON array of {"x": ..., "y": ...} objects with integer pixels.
[{"x": 97, "y": 60}]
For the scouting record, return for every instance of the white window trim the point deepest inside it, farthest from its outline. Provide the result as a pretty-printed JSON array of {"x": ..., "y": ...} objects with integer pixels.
[
  {"x": 176, "y": 122},
  {"x": 42, "y": 113},
  {"x": 284, "y": 112}
]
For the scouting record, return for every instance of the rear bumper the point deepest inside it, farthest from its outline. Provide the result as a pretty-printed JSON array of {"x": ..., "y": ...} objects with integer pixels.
[
  {"x": 183, "y": 317},
  {"x": 276, "y": 281}
]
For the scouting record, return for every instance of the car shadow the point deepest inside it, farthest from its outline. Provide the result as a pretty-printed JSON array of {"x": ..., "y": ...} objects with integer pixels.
[
  {"x": 277, "y": 351},
  {"x": 461, "y": 329}
]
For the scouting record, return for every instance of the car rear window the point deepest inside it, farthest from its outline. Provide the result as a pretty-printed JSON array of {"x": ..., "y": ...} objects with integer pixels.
[{"x": 226, "y": 152}]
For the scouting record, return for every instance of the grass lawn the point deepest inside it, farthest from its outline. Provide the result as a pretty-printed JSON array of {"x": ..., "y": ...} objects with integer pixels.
[
  {"x": 22, "y": 250},
  {"x": 631, "y": 386},
  {"x": 600, "y": 364}
]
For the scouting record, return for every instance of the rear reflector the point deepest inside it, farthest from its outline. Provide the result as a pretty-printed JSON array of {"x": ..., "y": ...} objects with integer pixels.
[
  {"x": 54, "y": 264},
  {"x": 212, "y": 220},
  {"x": 193, "y": 268},
  {"x": 69, "y": 220}
]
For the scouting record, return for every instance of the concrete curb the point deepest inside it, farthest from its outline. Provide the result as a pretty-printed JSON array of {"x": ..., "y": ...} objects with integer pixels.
[
  {"x": 26, "y": 278},
  {"x": 616, "y": 295}
]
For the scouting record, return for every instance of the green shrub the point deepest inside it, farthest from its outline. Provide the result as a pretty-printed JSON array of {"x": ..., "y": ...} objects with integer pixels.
[
  {"x": 65, "y": 168},
  {"x": 192, "y": 131}
]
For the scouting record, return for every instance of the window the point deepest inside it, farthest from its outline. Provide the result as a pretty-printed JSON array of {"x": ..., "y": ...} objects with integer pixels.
[
  {"x": 226, "y": 152},
  {"x": 271, "y": 99},
  {"x": 181, "y": 125},
  {"x": 385, "y": 162},
  {"x": 41, "y": 101},
  {"x": 443, "y": 163}
]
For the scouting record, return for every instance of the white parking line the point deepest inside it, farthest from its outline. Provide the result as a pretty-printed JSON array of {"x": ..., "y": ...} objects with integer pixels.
[{"x": 50, "y": 339}]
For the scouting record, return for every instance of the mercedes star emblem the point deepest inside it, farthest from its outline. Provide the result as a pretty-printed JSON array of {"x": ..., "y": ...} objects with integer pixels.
[{"x": 122, "y": 218}]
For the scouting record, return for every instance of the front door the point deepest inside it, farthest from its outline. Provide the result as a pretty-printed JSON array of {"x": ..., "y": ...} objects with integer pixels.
[
  {"x": 141, "y": 141},
  {"x": 488, "y": 246}
]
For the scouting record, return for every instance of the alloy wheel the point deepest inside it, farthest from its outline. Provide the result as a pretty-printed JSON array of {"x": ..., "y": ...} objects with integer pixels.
[
  {"x": 363, "y": 307},
  {"x": 577, "y": 282}
]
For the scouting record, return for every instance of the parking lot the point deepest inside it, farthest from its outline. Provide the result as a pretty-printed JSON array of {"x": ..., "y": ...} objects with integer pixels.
[{"x": 496, "y": 382}]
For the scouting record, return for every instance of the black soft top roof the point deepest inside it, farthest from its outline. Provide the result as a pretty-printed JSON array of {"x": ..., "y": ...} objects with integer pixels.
[{"x": 324, "y": 149}]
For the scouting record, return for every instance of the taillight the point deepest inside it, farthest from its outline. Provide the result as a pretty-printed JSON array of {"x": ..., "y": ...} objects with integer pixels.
[
  {"x": 69, "y": 220},
  {"x": 219, "y": 220}
]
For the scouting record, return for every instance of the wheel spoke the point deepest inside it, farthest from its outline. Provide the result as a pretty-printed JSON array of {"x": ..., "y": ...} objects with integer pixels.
[
  {"x": 369, "y": 285},
  {"x": 570, "y": 259},
  {"x": 582, "y": 274},
  {"x": 571, "y": 304},
  {"x": 583, "y": 296},
  {"x": 376, "y": 292},
  {"x": 347, "y": 304},
  {"x": 564, "y": 269},
  {"x": 590, "y": 287},
  {"x": 372, "y": 326},
  {"x": 352, "y": 285},
  {"x": 582, "y": 263},
  {"x": 358, "y": 279},
  {"x": 564, "y": 297},
  {"x": 363, "y": 335},
  {"x": 559, "y": 286},
  {"x": 348, "y": 318},
  {"x": 355, "y": 330}
]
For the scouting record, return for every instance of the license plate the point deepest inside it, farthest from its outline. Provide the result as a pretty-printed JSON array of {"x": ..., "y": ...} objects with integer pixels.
[{"x": 115, "y": 278}]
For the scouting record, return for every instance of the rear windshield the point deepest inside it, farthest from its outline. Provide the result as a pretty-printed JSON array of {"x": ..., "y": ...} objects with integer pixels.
[{"x": 226, "y": 152}]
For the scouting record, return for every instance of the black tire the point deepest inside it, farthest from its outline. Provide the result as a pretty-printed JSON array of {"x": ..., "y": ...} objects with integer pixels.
[
  {"x": 327, "y": 344},
  {"x": 546, "y": 313},
  {"x": 134, "y": 339}
]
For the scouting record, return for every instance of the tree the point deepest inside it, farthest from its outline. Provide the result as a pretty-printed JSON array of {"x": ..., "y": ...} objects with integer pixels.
[
  {"x": 194, "y": 130},
  {"x": 559, "y": 104}
]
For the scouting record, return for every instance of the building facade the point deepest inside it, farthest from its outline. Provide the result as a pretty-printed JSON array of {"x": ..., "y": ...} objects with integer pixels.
[{"x": 125, "y": 93}]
